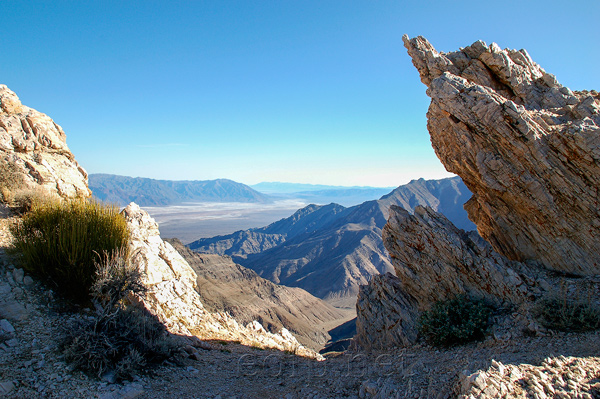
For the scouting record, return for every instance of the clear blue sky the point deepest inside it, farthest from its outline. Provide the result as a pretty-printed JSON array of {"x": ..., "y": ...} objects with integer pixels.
[{"x": 300, "y": 91}]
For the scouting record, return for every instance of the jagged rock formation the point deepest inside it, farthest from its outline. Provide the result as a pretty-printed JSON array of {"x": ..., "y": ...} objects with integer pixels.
[
  {"x": 385, "y": 314},
  {"x": 34, "y": 149},
  {"x": 330, "y": 250},
  {"x": 150, "y": 192},
  {"x": 433, "y": 261},
  {"x": 226, "y": 286},
  {"x": 526, "y": 146},
  {"x": 529, "y": 150},
  {"x": 172, "y": 295}
]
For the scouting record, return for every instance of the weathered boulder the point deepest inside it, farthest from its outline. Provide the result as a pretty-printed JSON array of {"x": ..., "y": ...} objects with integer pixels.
[
  {"x": 34, "y": 149},
  {"x": 172, "y": 296},
  {"x": 527, "y": 147}
]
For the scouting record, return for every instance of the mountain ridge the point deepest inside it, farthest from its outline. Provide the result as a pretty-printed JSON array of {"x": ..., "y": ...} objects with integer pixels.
[
  {"x": 152, "y": 192},
  {"x": 344, "y": 249}
]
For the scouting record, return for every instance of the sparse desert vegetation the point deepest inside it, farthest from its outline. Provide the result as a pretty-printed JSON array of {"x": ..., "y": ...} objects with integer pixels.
[
  {"x": 121, "y": 339},
  {"x": 61, "y": 241},
  {"x": 455, "y": 321}
]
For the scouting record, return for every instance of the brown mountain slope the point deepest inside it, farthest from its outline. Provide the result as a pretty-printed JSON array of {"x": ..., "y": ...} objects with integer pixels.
[{"x": 226, "y": 286}]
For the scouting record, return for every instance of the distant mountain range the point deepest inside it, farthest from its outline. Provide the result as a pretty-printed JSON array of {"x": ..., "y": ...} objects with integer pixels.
[
  {"x": 226, "y": 286},
  {"x": 122, "y": 190},
  {"x": 330, "y": 250},
  {"x": 322, "y": 194}
]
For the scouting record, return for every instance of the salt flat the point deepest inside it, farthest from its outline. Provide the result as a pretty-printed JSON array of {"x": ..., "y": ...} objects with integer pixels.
[{"x": 191, "y": 221}]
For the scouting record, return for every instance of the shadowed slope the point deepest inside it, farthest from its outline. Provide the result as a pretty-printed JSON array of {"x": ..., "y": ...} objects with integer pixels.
[{"x": 226, "y": 286}]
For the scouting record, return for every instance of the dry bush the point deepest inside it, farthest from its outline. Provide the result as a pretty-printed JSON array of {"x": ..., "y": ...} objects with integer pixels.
[
  {"x": 126, "y": 341},
  {"x": 568, "y": 315},
  {"x": 25, "y": 200},
  {"x": 11, "y": 179},
  {"x": 122, "y": 338}
]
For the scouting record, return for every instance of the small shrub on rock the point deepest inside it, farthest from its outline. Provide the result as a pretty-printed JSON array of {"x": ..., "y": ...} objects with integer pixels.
[
  {"x": 455, "y": 321},
  {"x": 11, "y": 179},
  {"x": 61, "y": 241},
  {"x": 121, "y": 338},
  {"x": 568, "y": 315},
  {"x": 26, "y": 199}
]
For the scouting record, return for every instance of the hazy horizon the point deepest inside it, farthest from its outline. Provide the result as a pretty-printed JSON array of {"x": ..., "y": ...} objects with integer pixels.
[
  {"x": 259, "y": 183},
  {"x": 314, "y": 92}
]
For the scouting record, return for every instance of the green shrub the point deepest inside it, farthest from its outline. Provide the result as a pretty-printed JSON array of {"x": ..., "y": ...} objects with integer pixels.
[
  {"x": 567, "y": 315},
  {"x": 61, "y": 241},
  {"x": 455, "y": 321},
  {"x": 122, "y": 338}
]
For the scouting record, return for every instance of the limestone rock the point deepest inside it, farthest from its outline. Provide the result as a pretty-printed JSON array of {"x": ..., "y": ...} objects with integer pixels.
[
  {"x": 172, "y": 295},
  {"x": 527, "y": 147},
  {"x": 6, "y": 327},
  {"x": 13, "y": 310},
  {"x": 6, "y": 387},
  {"x": 556, "y": 377},
  {"x": 36, "y": 148}
]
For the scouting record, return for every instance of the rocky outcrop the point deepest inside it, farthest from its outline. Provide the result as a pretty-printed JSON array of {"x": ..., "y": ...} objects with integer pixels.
[
  {"x": 527, "y": 147},
  {"x": 34, "y": 149},
  {"x": 172, "y": 295},
  {"x": 434, "y": 261},
  {"x": 529, "y": 151}
]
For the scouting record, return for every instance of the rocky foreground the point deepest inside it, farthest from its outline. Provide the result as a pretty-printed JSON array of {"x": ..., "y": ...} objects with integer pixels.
[{"x": 31, "y": 365}]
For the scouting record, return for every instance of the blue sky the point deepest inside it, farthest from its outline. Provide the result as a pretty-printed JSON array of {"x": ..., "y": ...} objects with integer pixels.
[{"x": 318, "y": 92}]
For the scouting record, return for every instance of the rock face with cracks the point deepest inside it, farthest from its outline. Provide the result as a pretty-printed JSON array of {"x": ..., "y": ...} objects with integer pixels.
[
  {"x": 527, "y": 147},
  {"x": 434, "y": 261},
  {"x": 35, "y": 147}
]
